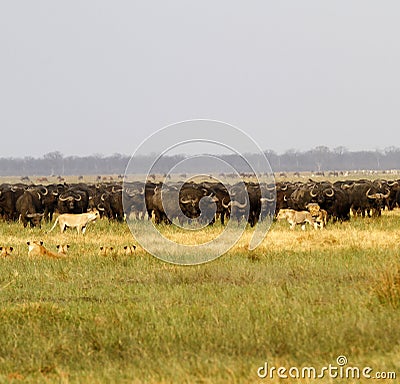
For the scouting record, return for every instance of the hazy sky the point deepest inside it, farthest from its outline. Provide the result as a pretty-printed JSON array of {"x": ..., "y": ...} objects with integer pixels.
[{"x": 85, "y": 77}]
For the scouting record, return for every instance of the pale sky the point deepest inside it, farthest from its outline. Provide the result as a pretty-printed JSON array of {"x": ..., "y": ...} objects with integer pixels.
[{"x": 85, "y": 77}]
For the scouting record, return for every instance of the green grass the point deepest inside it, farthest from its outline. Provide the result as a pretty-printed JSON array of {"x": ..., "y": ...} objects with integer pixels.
[{"x": 300, "y": 299}]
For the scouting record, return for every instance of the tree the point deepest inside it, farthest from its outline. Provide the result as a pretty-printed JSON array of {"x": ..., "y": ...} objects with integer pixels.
[
  {"x": 340, "y": 150},
  {"x": 53, "y": 163}
]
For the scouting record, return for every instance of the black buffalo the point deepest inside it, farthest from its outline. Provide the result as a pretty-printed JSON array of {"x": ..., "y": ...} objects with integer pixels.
[
  {"x": 29, "y": 208},
  {"x": 73, "y": 200},
  {"x": 9, "y": 195}
]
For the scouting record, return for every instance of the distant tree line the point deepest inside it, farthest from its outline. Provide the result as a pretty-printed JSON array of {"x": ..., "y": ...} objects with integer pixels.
[{"x": 318, "y": 159}]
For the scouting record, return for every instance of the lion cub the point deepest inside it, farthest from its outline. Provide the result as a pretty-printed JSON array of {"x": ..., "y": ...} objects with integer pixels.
[{"x": 36, "y": 248}]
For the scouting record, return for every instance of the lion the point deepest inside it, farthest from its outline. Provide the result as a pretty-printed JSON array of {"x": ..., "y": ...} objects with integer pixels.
[
  {"x": 36, "y": 248},
  {"x": 297, "y": 218},
  {"x": 322, "y": 218},
  {"x": 106, "y": 251},
  {"x": 129, "y": 249},
  {"x": 62, "y": 249},
  {"x": 6, "y": 251},
  {"x": 319, "y": 215},
  {"x": 313, "y": 208},
  {"x": 76, "y": 220}
]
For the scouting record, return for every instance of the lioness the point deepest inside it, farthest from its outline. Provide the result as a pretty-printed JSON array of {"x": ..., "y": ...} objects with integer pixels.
[
  {"x": 129, "y": 249},
  {"x": 106, "y": 251},
  {"x": 297, "y": 218},
  {"x": 36, "y": 248},
  {"x": 62, "y": 249},
  {"x": 6, "y": 251},
  {"x": 76, "y": 220}
]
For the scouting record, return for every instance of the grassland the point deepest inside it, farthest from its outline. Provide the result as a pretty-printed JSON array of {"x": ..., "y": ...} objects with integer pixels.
[{"x": 300, "y": 299}]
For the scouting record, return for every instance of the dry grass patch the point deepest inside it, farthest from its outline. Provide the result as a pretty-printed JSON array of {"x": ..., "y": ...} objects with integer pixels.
[{"x": 387, "y": 286}]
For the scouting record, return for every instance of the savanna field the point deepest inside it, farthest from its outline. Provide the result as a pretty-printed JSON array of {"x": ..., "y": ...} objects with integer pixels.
[{"x": 302, "y": 298}]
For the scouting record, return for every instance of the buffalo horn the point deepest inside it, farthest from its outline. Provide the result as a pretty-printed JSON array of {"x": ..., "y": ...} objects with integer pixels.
[
  {"x": 116, "y": 191},
  {"x": 65, "y": 198},
  {"x": 265, "y": 199},
  {"x": 238, "y": 205},
  {"x": 330, "y": 194},
  {"x": 313, "y": 194},
  {"x": 373, "y": 196},
  {"x": 387, "y": 194}
]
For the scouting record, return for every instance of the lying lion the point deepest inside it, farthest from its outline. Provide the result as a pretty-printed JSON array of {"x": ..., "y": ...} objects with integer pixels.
[
  {"x": 6, "y": 251},
  {"x": 111, "y": 251},
  {"x": 129, "y": 249},
  {"x": 297, "y": 218},
  {"x": 36, "y": 248},
  {"x": 107, "y": 251},
  {"x": 62, "y": 249}
]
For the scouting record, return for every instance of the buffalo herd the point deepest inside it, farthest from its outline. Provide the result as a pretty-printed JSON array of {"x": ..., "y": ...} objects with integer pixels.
[{"x": 208, "y": 200}]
